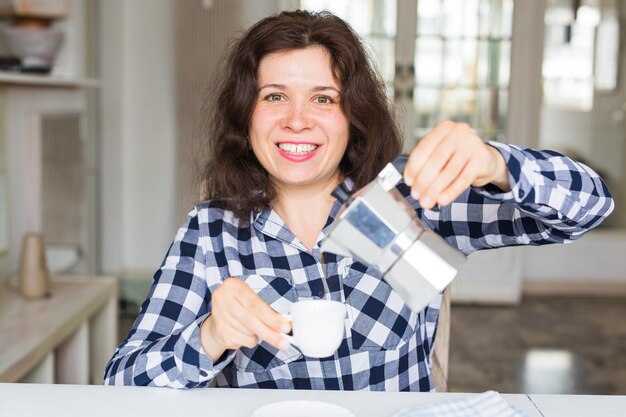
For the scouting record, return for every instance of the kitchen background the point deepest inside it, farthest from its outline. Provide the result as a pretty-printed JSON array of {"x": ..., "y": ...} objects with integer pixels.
[{"x": 99, "y": 154}]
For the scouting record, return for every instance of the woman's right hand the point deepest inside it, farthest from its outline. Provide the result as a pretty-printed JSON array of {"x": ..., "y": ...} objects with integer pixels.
[{"x": 239, "y": 317}]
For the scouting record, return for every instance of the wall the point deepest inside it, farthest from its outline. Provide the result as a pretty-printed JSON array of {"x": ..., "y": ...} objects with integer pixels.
[
  {"x": 137, "y": 134},
  {"x": 71, "y": 58},
  {"x": 598, "y": 137},
  {"x": 596, "y": 258}
]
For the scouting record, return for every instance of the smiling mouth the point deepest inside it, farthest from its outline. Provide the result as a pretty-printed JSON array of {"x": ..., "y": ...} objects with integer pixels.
[{"x": 297, "y": 149}]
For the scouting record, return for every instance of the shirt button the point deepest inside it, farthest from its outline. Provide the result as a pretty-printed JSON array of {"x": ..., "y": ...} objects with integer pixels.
[
  {"x": 521, "y": 193},
  {"x": 203, "y": 373}
]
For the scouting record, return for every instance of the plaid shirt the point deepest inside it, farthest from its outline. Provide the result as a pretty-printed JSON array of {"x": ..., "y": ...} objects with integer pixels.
[{"x": 386, "y": 345}]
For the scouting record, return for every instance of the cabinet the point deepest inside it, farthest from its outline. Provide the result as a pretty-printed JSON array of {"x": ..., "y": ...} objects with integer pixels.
[
  {"x": 51, "y": 169},
  {"x": 66, "y": 338},
  {"x": 48, "y": 157}
]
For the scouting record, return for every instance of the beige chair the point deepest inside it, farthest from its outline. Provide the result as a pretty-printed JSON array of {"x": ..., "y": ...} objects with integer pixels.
[{"x": 442, "y": 345}]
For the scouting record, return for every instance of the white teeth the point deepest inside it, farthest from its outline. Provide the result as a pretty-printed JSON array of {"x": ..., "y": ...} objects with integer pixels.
[{"x": 297, "y": 149}]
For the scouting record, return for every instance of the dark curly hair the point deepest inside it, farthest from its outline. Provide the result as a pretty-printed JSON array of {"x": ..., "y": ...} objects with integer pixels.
[{"x": 232, "y": 173}]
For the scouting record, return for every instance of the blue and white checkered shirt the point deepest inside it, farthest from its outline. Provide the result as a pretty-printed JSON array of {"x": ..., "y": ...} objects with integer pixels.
[{"x": 386, "y": 345}]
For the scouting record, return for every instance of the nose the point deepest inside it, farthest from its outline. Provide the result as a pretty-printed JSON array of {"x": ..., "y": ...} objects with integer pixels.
[{"x": 297, "y": 117}]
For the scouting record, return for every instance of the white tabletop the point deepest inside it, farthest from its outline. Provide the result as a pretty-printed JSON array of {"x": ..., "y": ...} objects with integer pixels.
[
  {"x": 580, "y": 405},
  {"x": 32, "y": 400}
]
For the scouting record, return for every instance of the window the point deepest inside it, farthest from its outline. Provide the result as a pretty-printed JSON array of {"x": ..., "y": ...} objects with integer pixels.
[
  {"x": 461, "y": 61},
  {"x": 581, "y": 52},
  {"x": 462, "y": 64}
]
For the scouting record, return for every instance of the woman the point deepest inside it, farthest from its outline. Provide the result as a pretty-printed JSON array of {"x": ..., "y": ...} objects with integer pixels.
[{"x": 299, "y": 111}]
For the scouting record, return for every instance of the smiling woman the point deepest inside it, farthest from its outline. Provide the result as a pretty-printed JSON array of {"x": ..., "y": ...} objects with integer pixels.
[
  {"x": 296, "y": 79},
  {"x": 299, "y": 134},
  {"x": 298, "y": 131},
  {"x": 298, "y": 111}
]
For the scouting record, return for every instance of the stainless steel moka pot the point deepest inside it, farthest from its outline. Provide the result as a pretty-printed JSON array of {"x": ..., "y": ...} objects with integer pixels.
[{"x": 379, "y": 228}]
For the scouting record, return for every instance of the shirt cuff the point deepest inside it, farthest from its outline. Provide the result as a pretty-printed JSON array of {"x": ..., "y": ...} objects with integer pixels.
[
  {"x": 520, "y": 188},
  {"x": 196, "y": 364}
]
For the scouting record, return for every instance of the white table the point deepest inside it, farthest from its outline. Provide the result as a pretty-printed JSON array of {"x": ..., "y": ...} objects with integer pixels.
[
  {"x": 580, "y": 405},
  {"x": 66, "y": 338},
  {"x": 33, "y": 400}
]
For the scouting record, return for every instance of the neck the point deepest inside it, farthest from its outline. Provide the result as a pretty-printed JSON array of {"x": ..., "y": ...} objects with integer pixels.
[{"x": 305, "y": 209}]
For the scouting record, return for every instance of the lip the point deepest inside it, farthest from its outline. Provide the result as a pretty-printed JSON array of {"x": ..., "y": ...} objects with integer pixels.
[{"x": 298, "y": 158}]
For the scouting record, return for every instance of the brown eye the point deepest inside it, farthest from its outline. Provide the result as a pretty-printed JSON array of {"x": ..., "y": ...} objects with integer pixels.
[
  {"x": 324, "y": 100},
  {"x": 273, "y": 97}
]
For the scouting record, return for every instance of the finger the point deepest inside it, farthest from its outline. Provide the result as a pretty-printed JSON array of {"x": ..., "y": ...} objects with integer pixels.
[
  {"x": 270, "y": 336},
  {"x": 226, "y": 307},
  {"x": 266, "y": 314},
  {"x": 444, "y": 180},
  {"x": 268, "y": 324},
  {"x": 231, "y": 308},
  {"x": 255, "y": 326},
  {"x": 454, "y": 142},
  {"x": 431, "y": 170},
  {"x": 240, "y": 297},
  {"x": 235, "y": 319},
  {"x": 458, "y": 186},
  {"x": 424, "y": 149},
  {"x": 246, "y": 309},
  {"x": 237, "y": 339},
  {"x": 241, "y": 324},
  {"x": 230, "y": 333}
]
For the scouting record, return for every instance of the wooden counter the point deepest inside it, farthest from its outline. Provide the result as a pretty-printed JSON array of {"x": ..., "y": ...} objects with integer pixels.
[{"x": 67, "y": 338}]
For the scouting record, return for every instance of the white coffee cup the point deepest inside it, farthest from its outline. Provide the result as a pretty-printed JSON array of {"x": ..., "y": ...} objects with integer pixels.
[{"x": 318, "y": 326}]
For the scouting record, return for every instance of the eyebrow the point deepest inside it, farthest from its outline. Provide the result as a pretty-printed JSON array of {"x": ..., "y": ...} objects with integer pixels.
[{"x": 314, "y": 89}]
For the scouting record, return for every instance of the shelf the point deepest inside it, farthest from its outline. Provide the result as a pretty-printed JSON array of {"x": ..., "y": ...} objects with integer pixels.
[{"x": 33, "y": 80}]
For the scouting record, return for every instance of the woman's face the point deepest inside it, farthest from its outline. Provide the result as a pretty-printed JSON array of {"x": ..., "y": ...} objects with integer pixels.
[{"x": 298, "y": 131}]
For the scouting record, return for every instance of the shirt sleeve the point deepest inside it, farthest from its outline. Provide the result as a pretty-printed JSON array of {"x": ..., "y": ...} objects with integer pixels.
[
  {"x": 163, "y": 347},
  {"x": 553, "y": 199}
]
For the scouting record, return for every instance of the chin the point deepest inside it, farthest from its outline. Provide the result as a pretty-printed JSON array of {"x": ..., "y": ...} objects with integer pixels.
[{"x": 297, "y": 180}]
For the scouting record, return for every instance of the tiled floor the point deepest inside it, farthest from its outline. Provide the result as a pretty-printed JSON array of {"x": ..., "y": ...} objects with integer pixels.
[
  {"x": 569, "y": 345},
  {"x": 545, "y": 345}
]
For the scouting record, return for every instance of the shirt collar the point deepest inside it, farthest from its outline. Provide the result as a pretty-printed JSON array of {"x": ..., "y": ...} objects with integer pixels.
[{"x": 268, "y": 222}]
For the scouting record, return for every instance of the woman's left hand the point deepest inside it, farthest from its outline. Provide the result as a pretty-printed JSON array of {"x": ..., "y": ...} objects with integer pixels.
[{"x": 450, "y": 159}]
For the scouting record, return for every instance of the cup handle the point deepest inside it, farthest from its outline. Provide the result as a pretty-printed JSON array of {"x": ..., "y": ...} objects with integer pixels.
[{"x": 291, "y": 340}]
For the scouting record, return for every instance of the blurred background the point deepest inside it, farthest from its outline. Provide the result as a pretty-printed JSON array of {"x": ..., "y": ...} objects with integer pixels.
[{"x": 99, "y": 109}]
